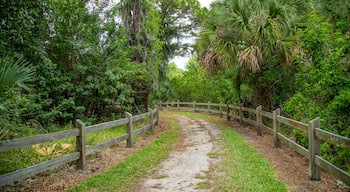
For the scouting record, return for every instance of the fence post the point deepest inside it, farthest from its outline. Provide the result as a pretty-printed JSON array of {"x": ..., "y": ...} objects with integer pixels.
[
  {"x": 228, "y": 112},
  {"x": 194, "y": 106},
  {"x": 276, "y": 128},
  {"x": 314, "y": 149},
  {"x": 220, "y": 109},
  {"x": 160, "y": 105},
  {"x": 178, "y": 105},
  {"x": 258, "y": 120},
  {"x": 209, "y": 107},
  {"x": 151, "y": 115},
  {"x": 129, "y": 130},
  {"x": 240, "y": 112},
  {"x": 157, "y": 114},
  {"x": 80, "y": 144}
]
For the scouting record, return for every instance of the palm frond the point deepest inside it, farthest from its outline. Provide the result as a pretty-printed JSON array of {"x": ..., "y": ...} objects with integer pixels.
[
  {"x": 15, "y": 72},
  {"x": 220, "y": 55},
  {"x": 251, "y": 58},
  {"x": 253, "y": 32}
]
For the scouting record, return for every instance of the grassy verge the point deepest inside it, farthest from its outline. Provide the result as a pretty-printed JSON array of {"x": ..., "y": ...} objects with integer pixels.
[
  {"x": 243, "y": 168},
  {"x": 126, "y": 175},
  {"x": 21, "y": 158}
]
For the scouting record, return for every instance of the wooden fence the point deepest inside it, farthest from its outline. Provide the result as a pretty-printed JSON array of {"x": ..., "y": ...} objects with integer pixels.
[
  {"x": 79, "y": 132},
  {"x": 254, "y": 117}
]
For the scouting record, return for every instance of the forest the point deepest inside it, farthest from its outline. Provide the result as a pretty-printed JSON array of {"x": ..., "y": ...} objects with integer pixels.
[{"x": 65, "y": 59}]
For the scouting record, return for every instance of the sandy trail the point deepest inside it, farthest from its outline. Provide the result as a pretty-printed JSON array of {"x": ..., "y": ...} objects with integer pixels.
[{"x": 189, "y": 164}]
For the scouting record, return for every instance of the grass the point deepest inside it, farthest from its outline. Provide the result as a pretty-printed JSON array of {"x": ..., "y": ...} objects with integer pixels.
[
  {"x": 203, "y": 185},
  {"x": 243, "y": 167},
  {"x": 214, "y": 155},
  {"x": 127, "y": 174},
  {"x": 24, "y": 157}
]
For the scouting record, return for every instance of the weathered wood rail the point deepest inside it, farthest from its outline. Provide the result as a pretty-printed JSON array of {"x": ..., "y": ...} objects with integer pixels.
[
  {"x": 79, "y": 132},
  {"x": 254, "y": 117}
]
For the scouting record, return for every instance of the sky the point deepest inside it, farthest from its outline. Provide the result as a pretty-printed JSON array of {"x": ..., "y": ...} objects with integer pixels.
[
  {"x": 182, "y": 61},
  {"x": 205, "y": 3}
]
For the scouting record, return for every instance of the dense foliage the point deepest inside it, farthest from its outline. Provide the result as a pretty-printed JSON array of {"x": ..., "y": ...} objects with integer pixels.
[
  {"x": 193, "y": 85},
  {"x": 322, "y": 84},
  {"x": 84, "y": 59},
  {"x": 292, "y": 55}
]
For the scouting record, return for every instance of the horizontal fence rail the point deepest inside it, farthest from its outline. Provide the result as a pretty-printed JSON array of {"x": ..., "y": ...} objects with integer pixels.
[
  {"x": 29, "y": 141},
  {"x": 82, "y": 150},
  {"x": 254, "y": 117},
  {"x": 293, "y": 123}
]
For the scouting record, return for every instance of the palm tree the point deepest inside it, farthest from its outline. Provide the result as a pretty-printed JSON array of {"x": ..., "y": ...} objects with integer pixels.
[{"x": 251, "y": 35}]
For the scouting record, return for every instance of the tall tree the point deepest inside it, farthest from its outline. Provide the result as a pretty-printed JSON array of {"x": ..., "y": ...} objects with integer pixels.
[
  {"x": 178, "y": 23},
  {"x": 156, "y": 30},
  {"x": 252, "y": 36},
  {"x": 141, "y": 22},
  {"x": 133, "y": 16}
]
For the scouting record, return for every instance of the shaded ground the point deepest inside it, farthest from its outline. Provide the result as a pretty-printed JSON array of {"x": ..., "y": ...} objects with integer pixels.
[{"x": 290, "y": 166}]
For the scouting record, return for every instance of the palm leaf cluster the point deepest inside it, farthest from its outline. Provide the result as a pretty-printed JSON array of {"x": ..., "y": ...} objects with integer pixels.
[
  {"x": 14, "y": 72},
  {"x": 249, "y": 33},
  {"x": 251, "y": 58}
]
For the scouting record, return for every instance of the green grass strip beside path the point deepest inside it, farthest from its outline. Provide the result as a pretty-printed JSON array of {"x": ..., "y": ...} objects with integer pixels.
[
  {"x": 244, "y": 168},
  {"x": 127, "y": 174}
]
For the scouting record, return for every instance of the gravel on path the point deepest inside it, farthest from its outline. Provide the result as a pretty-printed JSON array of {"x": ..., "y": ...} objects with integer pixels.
[{"x": 188, "y": 165}]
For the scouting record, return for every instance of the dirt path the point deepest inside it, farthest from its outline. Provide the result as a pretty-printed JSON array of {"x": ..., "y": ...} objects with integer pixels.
[{"x": 188, "y": 165}]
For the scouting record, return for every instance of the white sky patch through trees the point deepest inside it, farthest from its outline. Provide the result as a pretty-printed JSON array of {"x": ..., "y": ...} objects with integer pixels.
[{"x": 182, "y": 61}]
